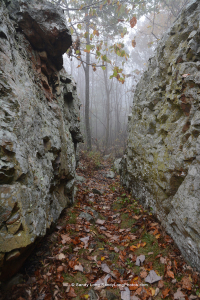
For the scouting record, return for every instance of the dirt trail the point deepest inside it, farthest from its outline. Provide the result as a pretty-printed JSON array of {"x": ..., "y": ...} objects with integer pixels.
[{"x": 106, "y": 247}]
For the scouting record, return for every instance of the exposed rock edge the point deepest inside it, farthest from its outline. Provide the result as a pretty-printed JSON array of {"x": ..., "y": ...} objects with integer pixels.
[
  {"x": 39, "y": 126},
  {"x": 162, "y": 161}
]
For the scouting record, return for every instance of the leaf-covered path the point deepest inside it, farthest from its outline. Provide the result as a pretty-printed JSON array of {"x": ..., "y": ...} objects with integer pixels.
[{"x": 106, "y": 247}]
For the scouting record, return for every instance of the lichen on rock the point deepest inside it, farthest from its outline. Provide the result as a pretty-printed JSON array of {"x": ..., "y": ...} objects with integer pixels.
[
  {"x": 39, "y": 126},
  {"x": 162, "y": 161}
]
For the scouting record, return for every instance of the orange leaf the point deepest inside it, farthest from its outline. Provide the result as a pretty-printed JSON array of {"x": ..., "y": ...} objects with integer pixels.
[
  {"x": 165, "y": 292},
  {"x": 143, "y": 244},
  {"x": 133, "y": 285},
  {"x": 157, "y": 236},
  {"x": 132, "y": 248},
  {"x": 170, "y": 274},
  {"x": 133, "y": 22}
]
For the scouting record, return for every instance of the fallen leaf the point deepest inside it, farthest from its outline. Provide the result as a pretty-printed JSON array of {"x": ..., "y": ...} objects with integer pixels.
[
  {"x": 125, "y": 295},
  {"x": 85, "y": 241},
  {"x": 160, "y": 284},
  {"x": 143, "y": 274},
  {"x": 103, "y": 258},
  {"x": 165, "y": 292},
  {"x": 152, "y": 277},
  {"x": 60, "y": 269},
  {"x": 152, "y": 291},
  {"x": 186, "y": 283},
  {"x": 78, "y": 268},
  {"x": 134, "y": 284},
  {"x": 116, "y": 249},
  {"x": 179, "y": 294},
  {"x": 65, "y": 238},
  {"x": 170, "y": 274},
  {"x": 192, "y": 297},
  {"x": 72, "y": 263},
  {"x": 115, "y": 274},
  {"x": 101, "y": 282},
  {"x": 100, "y": 222},
  {"x": 66, "y": 284},
  {"x": 71, "y": 293},
  {"x": 132, "y": 248},
  {"x": 140, "y": 259},
  {"x": 163, "y": 260},
  {"x": 105, "y": 268},
  {"x": 157, "y": 291},
  {"x": 61, "y": 256}
]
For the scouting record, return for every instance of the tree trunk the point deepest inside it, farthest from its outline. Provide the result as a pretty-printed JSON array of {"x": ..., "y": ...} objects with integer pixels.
[{"x": 87, "y": 92}]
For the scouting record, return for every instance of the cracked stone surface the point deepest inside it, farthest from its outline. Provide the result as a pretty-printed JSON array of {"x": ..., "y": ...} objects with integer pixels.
[
  {"x": 39, "y": 126},
  {"x": 162, "y": 161}
]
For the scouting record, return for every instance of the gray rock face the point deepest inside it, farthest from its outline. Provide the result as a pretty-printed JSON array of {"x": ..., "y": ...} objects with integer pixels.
[
  {"x": 39, "y": 126},
  {"x": 117, "y": 165},
  {"x": 162, "y": 161},
  {"x": 44, "y": 25}
]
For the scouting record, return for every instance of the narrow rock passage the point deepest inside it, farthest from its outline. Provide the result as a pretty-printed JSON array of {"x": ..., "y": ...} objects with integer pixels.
[{"x": 106, "y": 247}]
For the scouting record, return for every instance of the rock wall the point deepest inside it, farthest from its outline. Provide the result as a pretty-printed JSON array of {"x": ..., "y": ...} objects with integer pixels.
[
  {"x": 162, "y": 161},
  {"x": 39, "y": 126}
]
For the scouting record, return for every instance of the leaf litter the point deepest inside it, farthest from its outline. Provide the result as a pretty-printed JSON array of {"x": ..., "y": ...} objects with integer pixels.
[{"x": 124, "y": 251}]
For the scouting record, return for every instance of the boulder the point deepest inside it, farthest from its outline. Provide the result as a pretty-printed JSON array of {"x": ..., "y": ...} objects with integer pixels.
[
  {"x": 44, "y": 26},
  {"x": 162, "y": 161},
  {"x": 39, "y": 127},
  {"x": 117, "y": 165}
]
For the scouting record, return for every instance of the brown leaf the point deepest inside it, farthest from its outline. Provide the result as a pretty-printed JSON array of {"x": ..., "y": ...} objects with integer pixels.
[
  {"x": 65, "y": 238},
  {"x": 186, "y": 283},
  {"x": 133, "y": 42},
  {"x": 143, "y": 274},
  {"x": 165, "y": 292},
  {"x": 163, "y": 260},
  {"x": 170, "y": 274},
  {"x": 100, "y": 222},
  {"x": 134, "y": 285},
  {"x": 133, "y": 22},
  {"x": 71, "y": 293},
  {"x": 60, "y": 269},
  {"x": 160, "y": 284},
  {"x": 72, "y": 263}
]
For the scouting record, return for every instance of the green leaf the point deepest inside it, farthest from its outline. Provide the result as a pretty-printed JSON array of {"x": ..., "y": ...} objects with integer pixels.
[
  {"x": 71, "y": 30},
  {"x": 88, "y": 47},
  {"x": 98, "y": 53},
  {"x": 79, "y": 26},
  {"x": 103, "y": 68}
]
